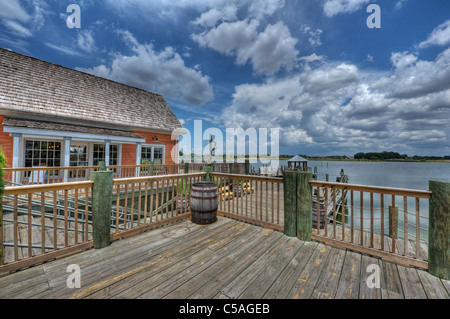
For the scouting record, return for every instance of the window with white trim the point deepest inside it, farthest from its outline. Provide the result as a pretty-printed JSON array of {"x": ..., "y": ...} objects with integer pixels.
[
  {"x": 42, "y": 153},
  {"x": 153, "y": 153},
  {"x": 99, "y": 154}
]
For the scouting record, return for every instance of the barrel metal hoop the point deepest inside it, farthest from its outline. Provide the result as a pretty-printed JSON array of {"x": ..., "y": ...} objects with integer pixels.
[
  {"x": 203, "y": 211},
  {"x": 203, "y": 190},
  {"x": 195, "y": 197}
]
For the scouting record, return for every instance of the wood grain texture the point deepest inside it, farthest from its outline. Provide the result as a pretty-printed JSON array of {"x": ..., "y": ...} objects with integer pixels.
[{"x": 227, "y": 259}]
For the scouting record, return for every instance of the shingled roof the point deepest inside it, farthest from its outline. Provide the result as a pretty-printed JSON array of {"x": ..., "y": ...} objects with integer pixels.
[{"x": 32, "y": 87}]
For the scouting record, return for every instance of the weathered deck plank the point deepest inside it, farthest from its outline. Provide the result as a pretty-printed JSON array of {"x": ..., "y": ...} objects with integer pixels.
[{"x": 228, "y": 259}]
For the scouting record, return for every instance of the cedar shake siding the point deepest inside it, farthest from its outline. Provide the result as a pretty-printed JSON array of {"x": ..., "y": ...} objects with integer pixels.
[{"x": 41, "y": 100}]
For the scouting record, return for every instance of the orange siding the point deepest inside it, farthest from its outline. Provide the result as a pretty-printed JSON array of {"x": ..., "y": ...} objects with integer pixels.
[{"x": 7, "y": 144}]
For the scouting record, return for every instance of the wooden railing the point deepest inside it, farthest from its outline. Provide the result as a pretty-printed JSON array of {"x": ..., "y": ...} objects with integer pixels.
[
  {"x": 258, "y": 200},
  {"x": 384, "y": 222},
  {"x": 49, "y": 175},
  {"x": 42, "y": 222},
  {"x": 147, "y": 202}
]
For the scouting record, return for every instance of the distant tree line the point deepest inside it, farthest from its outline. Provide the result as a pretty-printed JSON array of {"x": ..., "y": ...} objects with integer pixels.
[
  {"x": 396, "y": 156},
  {"x": 380, "y": 156}
]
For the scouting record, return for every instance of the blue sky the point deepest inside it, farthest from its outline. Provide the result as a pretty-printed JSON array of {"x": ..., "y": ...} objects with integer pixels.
[{"x": 312, "y": 68}]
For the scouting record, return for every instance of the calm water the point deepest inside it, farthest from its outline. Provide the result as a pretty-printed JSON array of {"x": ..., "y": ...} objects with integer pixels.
[{"x": 398, "y": 175}]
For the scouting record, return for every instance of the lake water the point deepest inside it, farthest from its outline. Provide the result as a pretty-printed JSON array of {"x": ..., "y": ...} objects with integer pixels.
[{"x": 409, "y": 175}]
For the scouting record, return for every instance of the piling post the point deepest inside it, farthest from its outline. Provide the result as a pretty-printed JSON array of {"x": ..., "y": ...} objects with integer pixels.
[
  {"x": 439, "y": 230},
  {"x": 393, "y": 222},
  {"x": 151, "y": 169},
  {"x": 247, "y": 167},
  {"x": 186, "y": 168},
  {"x": 304, "y": 206},
  {"x": 101, "y": 208},
  {"x": 290, "y": 203}
]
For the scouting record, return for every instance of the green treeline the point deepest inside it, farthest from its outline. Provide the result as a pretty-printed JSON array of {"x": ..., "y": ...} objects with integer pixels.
[
  {"x": 396, "y": 156},
  {"x": 380, "y": 156}
]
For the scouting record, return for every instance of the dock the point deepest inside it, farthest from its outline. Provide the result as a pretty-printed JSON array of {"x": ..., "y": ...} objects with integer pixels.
[{"x": 227, "y": 259}]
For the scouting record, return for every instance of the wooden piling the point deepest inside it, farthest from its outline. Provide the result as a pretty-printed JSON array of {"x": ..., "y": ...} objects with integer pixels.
[
  {"x": 290, "y": 203},
  {"x": 101, "y": 208},
  {"x": 439, "y": 230},
  {"x": 304, "y": 206}
]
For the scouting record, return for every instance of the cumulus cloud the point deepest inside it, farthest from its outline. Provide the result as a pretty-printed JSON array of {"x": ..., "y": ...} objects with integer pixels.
[
  {"x": 268, "y": 51},
  {"x": 414, "y": 77},
  {"x": 213, "y": 16},
  {"x": 335, "y": 7},
  {"x": 161, "y": 72},
  {"x": 337, "y": 104},
  {"x": 440, "y": 36}
]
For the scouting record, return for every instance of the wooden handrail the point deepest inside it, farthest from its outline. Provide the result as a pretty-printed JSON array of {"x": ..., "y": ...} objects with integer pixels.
[
  {"x": 123, "y": 181},
  {"x": 21, "y": 190},
  {"x": 375, "y": 189}
]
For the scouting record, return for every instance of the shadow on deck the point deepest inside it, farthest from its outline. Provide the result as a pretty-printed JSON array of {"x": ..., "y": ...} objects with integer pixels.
[{"x": 228, "y": 259}]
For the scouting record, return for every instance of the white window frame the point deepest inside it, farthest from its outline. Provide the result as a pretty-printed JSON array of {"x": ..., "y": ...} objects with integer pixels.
[{"x": 152, "y": 146}]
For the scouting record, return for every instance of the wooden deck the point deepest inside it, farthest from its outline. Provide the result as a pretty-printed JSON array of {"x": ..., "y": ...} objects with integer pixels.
[{"x": 228, "y": 259}]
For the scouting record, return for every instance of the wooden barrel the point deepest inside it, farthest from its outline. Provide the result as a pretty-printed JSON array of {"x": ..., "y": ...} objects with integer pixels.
[{"x": 204, "y": 203}]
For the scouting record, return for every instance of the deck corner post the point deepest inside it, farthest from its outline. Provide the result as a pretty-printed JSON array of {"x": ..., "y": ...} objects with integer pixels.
[
  {"x": 101, "y": 208},
  {"x": 151, "y": 169},
  {"x": 290, "y": 203},
  {"x": 439, "y": 230},
  {"x": 304, "y": 206},
  {"x": 208, "y": 169}
]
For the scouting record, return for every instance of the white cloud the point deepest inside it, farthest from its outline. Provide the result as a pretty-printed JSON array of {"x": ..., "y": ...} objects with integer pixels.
[
  {"x": 12, "y": 10},
  {"x": 268, "y": 51},
  {"x": 335, "y": 7},
  {"x": 440, "y": 36},
  {"x": 161, "y": 72},
  {"x": 18, "y": 29},
  {"x": 86, "y": 41},
  {"x": 63, "y": 49},
  {"x": 313, "y": 36},
  {"x": 213, "y": 16},
  {"x": 336, "y": 103},
  {"x": 19, "y": 21},
  {"x": 399, "y": 4},
  {"x": 414, "y": 77},
  {"x": 262, "y": 8}
]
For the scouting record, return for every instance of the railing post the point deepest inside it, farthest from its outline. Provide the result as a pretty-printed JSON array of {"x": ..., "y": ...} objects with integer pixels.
[
  {"x": 304, "y": 206},
  {"x": 297, "y": 205},
  {"x": 247, "y": 167},
  {"x": 208, "y": 169},
  {"x": 393, "y": 222},
  {"x": 101, "y": 208},
  {"x": 439, "y": 230},
  {"x": 290, "y": 203},
  {"x": 186, "y": 168},
  {"x": 151, "y": 169}
]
